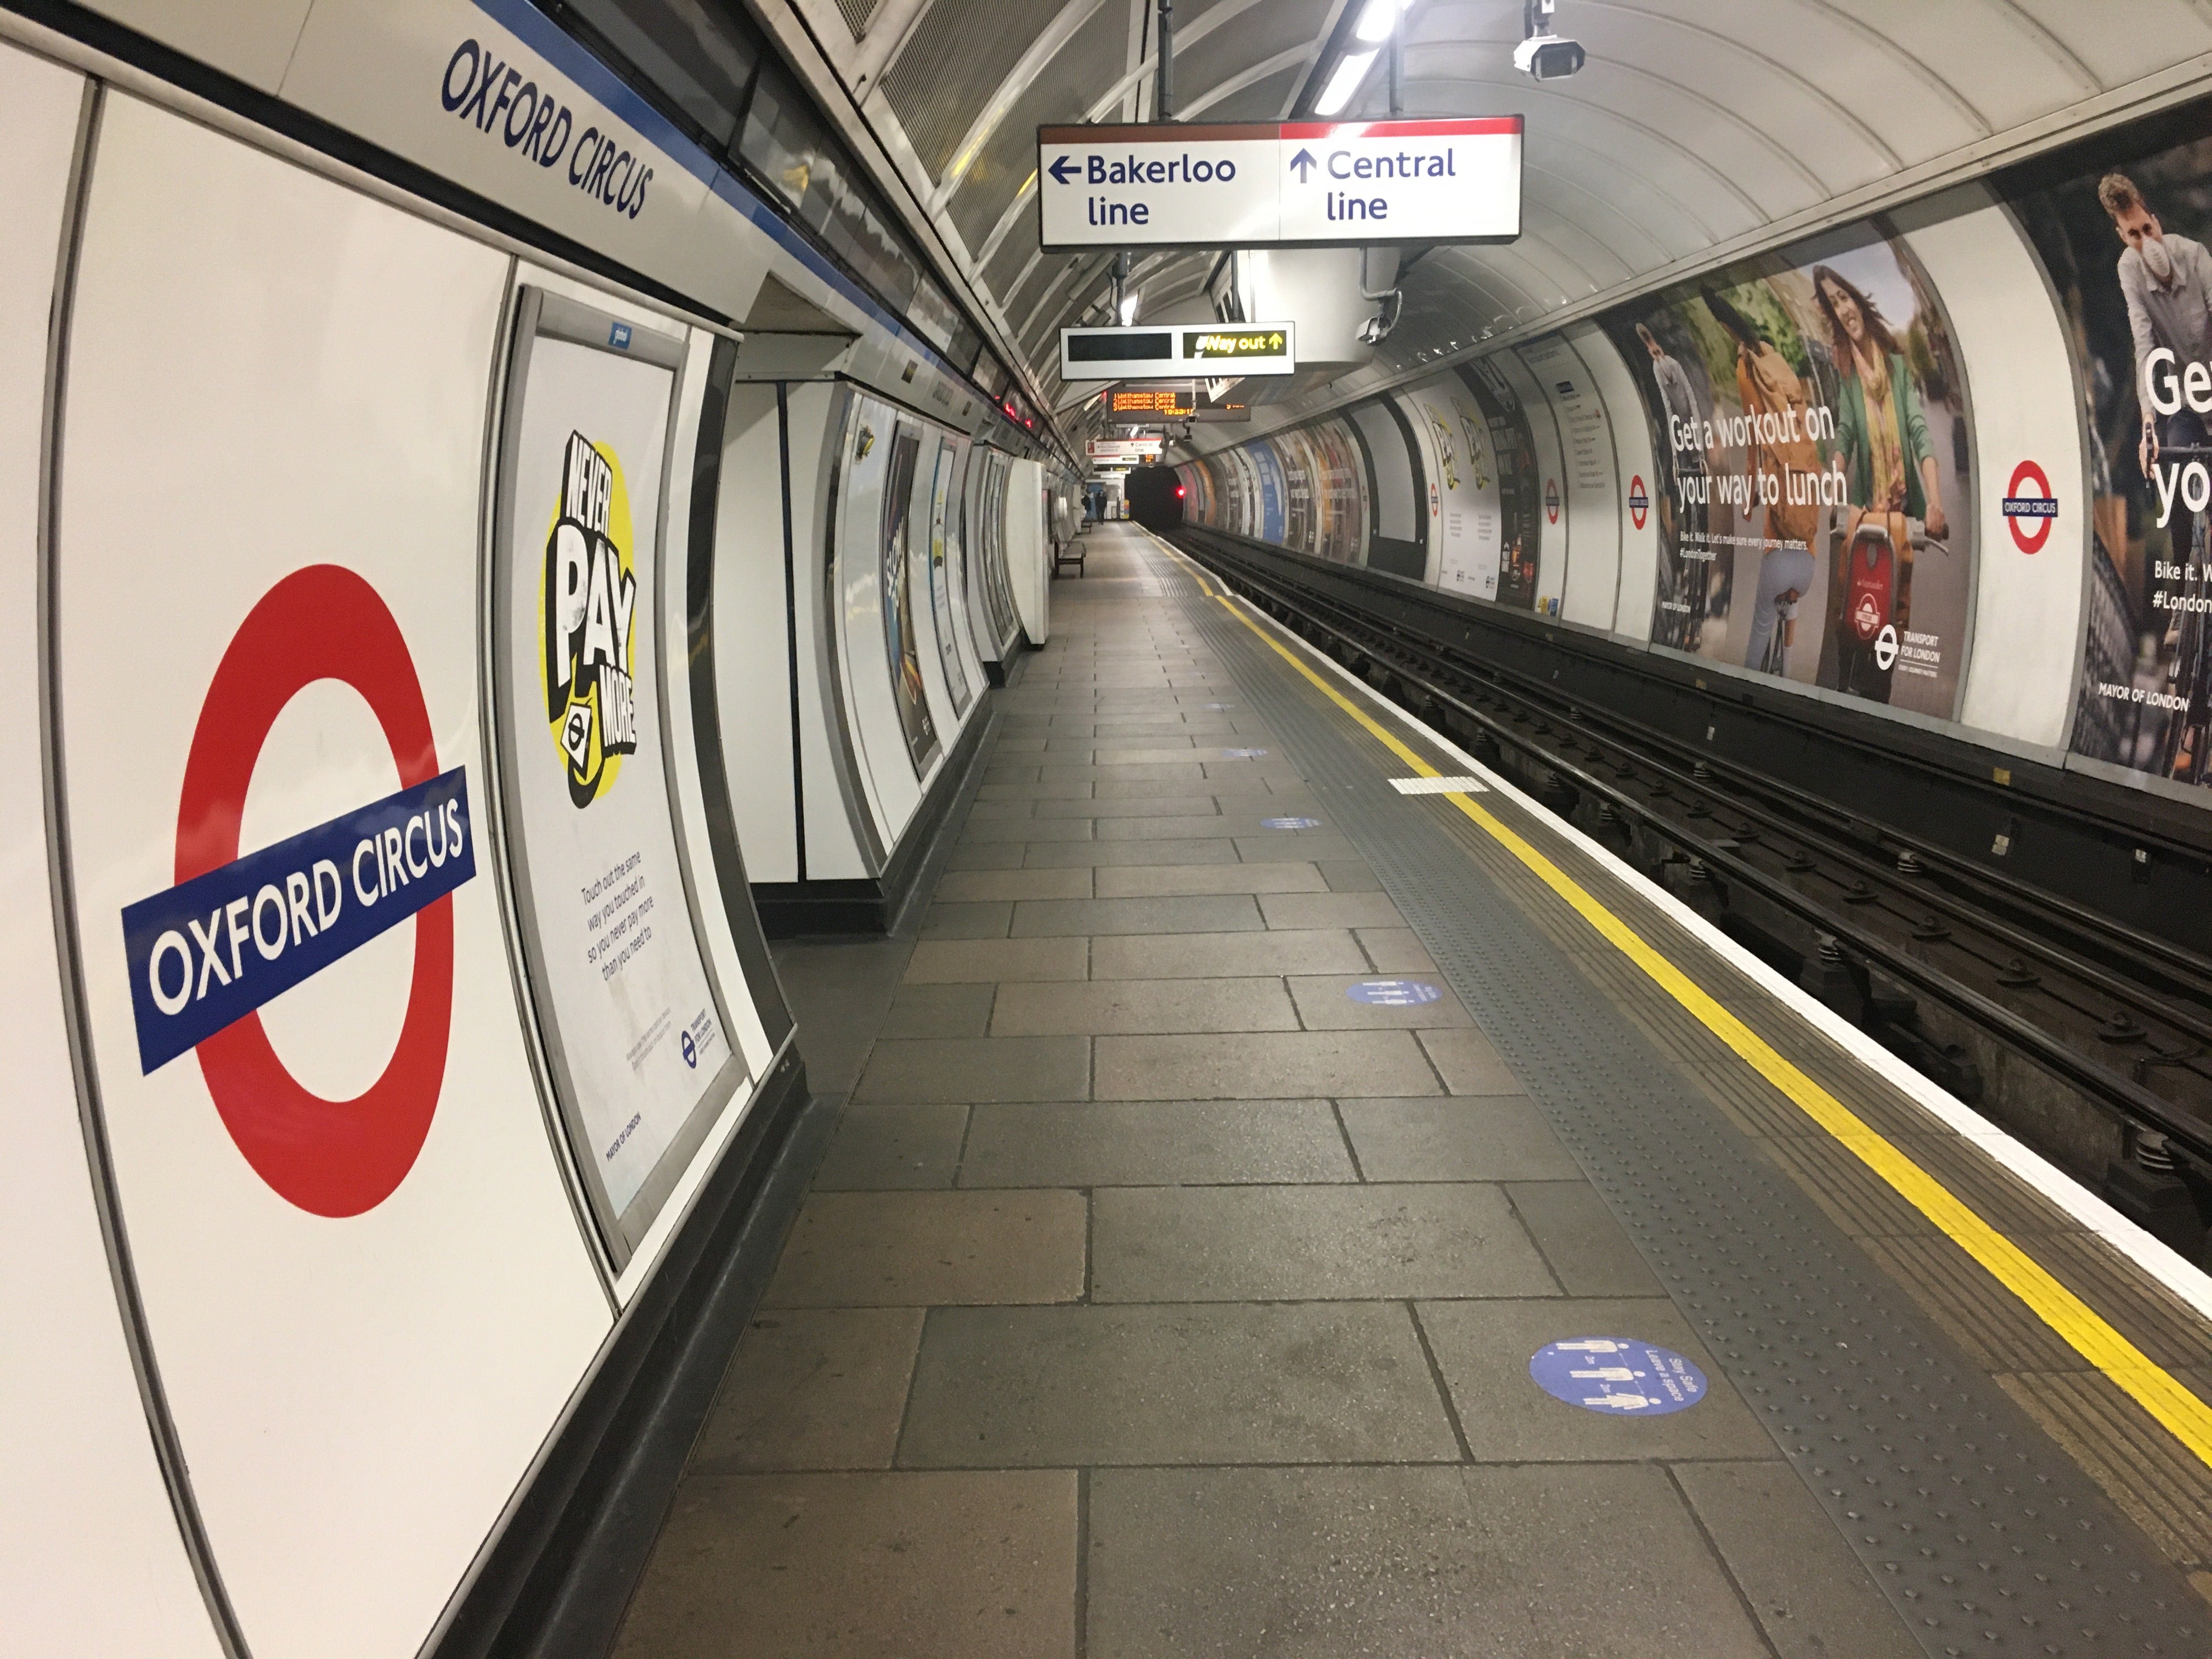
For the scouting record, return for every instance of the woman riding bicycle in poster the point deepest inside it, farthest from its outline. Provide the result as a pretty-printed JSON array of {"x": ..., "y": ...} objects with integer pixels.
[
  {"x": 1766, "y": 386},
  {"x": 1890, "y": 477}
]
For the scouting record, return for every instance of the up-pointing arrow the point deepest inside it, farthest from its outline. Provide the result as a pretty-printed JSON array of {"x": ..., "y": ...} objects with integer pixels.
[
  {"x": 1304, "y": 163},
  {"x": 1061, "y": 167}
]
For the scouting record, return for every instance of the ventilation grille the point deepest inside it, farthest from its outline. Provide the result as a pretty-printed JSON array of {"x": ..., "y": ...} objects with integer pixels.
[
  {"x": 858, "y": 14},
  {"x": 960, "y": 53}
]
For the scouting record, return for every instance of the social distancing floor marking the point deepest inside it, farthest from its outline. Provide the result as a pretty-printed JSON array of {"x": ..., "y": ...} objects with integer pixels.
[{"x": 2078, "y": 1325}]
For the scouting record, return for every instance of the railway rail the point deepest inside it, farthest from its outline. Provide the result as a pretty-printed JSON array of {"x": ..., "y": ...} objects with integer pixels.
[{"x": 1959, "y": 971}]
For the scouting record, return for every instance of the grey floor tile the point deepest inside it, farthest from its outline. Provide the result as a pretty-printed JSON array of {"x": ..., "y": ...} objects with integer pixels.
[
  {"x": 1326, "y": 1004},
  {"x": 1351, "y": 875},
  {"x": 925, "y": 1250},
  {"x": 988, "y": 811},
  {"x": 1309, "y": 1244},
  {"x": 1173, "y": 807},
  {"x": 1483, "y": 1138},
  {"x": 970, "y": 885},
  {"x": 1395, "y": 951},
  {"x": 1330, "y": 910},
  {"x": 984, "y": 855},
  {"x": 1155, "y": 1144},
  {"x": 1405, "y": 1564},
  {"x": 1142, "y": 880},
  {"x": 1208, "y": 955},
  {"x": 1208, "y": 912},
  {"x": 985, "y": 919},
  {"x": 1078, "y": 791},
  {"x": 920, "y": 1071},
  {"x": 1099, "y": 1007},
  {"x": 812, "y": 1388},
  {"x": 939, "y": 962},
  {"x": 839, "y": 990},
  {"x": 1468, "y": 1063},
  {"x": 1209, "y": 825},
  {"x": 1112, "y": 786},
  {"x": 1807, "y": 1589},
  {"x": 1275, "y": 845},
  {"x": 1289, "y": 1065},
  {"x": 949, "y": 1565},
  {"x": 1227, "y": 1384},
  {"x": 1589, "y": 1252},
  {"x": 893, "y": 1146},
  {"x": 1047, "y": 856},
  {"x": 1187, "y": 772},
  {"x": 1483, "y": 1348},
  {"x": 928, "y": 1009},
  {"x": 1025, "y": 830}
]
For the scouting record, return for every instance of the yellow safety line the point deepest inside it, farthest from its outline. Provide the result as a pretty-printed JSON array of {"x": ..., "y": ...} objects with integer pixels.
[{"x": 2076, "y": 1323}]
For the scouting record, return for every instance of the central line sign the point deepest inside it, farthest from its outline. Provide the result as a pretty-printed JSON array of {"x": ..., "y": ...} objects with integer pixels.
[{"x": 1301, "y": 184}]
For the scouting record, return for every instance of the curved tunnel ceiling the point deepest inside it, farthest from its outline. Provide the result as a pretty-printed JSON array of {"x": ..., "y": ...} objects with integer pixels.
[{"x": 1699, "y": 127}]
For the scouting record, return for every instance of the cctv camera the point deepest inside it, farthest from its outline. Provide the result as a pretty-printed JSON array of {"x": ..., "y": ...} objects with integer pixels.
[{"x": 1548, "y": 57}]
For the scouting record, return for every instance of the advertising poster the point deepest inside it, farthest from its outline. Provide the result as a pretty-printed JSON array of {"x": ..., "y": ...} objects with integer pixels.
[
  {"x": 941, "y": 582},
  {"x": 1813, "y": 521},
  {"x": 636, "y": 1034},
  {"x": 899, "y": 645},
  {"x": 1464, "y": 507},
  {"x": 1295, "y": 456},
  {"x": 1268, "y": 473},
  {"x": 2124, "y": 244},
  {"x": 1339, "y": 488},
  {"x": 1512, "y": 448}
]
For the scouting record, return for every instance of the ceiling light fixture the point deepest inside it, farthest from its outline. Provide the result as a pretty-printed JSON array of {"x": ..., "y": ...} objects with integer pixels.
[
  {"x": 1350, "y": 72},
  {"x": 1378, "y": 19}
]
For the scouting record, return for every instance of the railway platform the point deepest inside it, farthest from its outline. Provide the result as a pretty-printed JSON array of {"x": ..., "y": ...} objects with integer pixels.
[{"x": 1292, "y": 1195}]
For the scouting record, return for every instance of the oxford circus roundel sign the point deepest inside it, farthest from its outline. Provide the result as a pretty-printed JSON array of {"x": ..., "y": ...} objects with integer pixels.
[
  {"x": 236, "y": 931},
  {"x": 1639, "y": 501},
  {"x": 2029, "y": 506}
]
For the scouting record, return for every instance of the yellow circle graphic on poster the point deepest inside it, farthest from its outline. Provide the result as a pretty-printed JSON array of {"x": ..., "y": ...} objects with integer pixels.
[{"x": 587, "y": 607}]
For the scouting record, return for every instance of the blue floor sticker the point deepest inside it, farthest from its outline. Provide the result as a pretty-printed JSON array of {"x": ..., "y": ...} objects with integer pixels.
[
  {"x": 1290, "y": 824},
  {"x": 1394, "y": 992},
  {"x": 1617, "y": 1376}
]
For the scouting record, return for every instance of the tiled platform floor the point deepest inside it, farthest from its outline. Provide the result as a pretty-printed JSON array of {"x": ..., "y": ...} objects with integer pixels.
[{"x": 1157, "y": 1299}]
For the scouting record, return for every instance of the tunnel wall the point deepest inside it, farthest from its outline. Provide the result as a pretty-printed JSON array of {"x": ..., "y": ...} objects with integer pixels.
[
  {"x": 391, "y": 988},
  {"x": 2053, "y": 620}
]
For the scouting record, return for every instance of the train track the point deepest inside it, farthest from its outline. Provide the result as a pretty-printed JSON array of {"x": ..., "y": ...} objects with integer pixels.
[{"x": 1948, "y": 965}]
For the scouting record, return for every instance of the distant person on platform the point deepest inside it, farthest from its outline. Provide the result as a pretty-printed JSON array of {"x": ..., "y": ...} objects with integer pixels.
[
  {"x": 2167, "y": 283},
  {"x": 1679, "y": 399}
]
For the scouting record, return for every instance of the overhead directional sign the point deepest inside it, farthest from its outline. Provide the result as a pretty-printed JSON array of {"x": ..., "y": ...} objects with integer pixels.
[
  {"x": 1123, "y": 451},
  {"x": 1217, "y": 351},
  {"x": 1279, "y": 183}
]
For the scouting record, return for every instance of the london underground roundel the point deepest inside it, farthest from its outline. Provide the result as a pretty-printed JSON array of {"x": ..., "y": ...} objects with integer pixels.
[
  {"x": 1639, "y": 501},
  {"x": 237, "y": 930},
  {"x": 2029, "y": 508},
  {"x": 1551, "y": 501}
]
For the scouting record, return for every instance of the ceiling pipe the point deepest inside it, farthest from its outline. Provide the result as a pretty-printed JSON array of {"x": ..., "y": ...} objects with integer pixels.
[{"x": 1164, "y": 94}]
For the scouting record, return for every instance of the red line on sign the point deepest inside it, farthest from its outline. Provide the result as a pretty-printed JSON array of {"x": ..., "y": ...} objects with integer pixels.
[{"x": 1472, "y": 128}]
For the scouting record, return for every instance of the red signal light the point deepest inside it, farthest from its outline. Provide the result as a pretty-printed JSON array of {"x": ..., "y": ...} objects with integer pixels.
[{"x": 1178, "y": 492}]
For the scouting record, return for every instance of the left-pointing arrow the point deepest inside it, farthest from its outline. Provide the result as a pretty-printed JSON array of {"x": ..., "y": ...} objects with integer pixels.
[{"x": 1060, "y": 169}]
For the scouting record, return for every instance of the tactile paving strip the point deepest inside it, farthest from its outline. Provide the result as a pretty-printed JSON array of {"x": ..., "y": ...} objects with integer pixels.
[{"x": 1984, "y": 1535}]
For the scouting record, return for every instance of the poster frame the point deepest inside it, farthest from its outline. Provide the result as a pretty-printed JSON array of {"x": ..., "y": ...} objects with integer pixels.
[{"x": 540, "y": 312}]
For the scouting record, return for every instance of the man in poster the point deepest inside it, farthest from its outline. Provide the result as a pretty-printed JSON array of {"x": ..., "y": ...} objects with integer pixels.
[
  {"x": 1687, "y": 460},
  {"x": 2166, "y": 281}
]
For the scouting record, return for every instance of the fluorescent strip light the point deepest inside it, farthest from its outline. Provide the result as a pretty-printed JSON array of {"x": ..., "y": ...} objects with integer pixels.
[
  {"x": 1345, "y": 83},
  {"x": 1378, "y": 19}
]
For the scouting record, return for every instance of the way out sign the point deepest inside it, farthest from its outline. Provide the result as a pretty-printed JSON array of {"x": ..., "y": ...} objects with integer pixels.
[{"x": 1279, "y": 183}]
